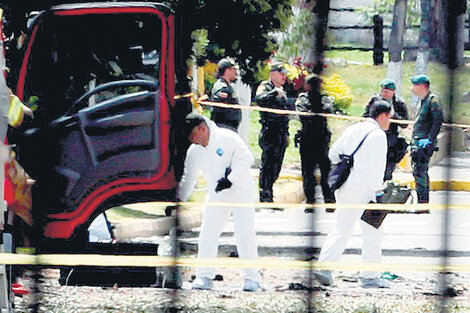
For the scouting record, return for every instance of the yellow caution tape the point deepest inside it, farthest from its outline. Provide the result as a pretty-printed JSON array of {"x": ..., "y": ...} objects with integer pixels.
[
  {"x": 395, "y": 207},
  {"x": 435, "y": 185},
  {"x": 292, "y": 112},
  {"x": 225, "y": 262},
  {"x": 186, "y": 95}
]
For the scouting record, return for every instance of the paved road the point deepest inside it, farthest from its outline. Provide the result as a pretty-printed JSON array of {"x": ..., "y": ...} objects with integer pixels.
[{"x": 409, "y": 236}]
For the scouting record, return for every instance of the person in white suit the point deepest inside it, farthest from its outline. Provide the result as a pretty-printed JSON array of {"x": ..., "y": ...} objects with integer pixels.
[
  {"x": 362, "y": 186},
  {"x": 225, "y": 160}
]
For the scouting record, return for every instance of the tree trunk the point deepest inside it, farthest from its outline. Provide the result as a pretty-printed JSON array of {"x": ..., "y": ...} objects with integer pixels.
[
  {"x": 450, "y": 43},
  {"x": 395, "y": 42},
  {"x": 425, "y": 37},
  {"x": 426, "y": 30},
  {"x": 460, "y": 8}
]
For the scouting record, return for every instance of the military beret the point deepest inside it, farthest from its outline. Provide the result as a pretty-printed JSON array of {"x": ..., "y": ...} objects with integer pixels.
[
  {"x": 420, "y": 79},
  {"x": 388, "y": 83},
  {"x": 279, "y": 67},
  {"x": 378, "y": 107},
  {"x": 191, "y": 121},
  {"x": 224, "y": 64}
]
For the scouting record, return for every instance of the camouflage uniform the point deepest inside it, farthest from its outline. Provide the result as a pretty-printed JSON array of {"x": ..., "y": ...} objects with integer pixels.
[
  {"x": 427, "y": 125},
  {"x": 314, "y": 140},
  {"x": 273, "y": 138},
  {"x": 222, "y": 91},
  {"x": 396, "y": 146}
]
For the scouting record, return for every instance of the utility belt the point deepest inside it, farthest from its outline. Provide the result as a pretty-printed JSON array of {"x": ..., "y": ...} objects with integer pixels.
[{"x": 325, "y": 133}]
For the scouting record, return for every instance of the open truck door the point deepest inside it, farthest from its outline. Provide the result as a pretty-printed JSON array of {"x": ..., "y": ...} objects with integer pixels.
[{"x": 100, "y": 78}]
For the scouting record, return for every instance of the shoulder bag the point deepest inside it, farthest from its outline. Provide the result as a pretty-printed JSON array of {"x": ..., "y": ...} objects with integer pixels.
[{"x": 340, "y": 171}]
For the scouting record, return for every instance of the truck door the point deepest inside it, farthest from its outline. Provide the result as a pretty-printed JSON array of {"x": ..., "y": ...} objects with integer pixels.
[{"x": 96, "y": 78}]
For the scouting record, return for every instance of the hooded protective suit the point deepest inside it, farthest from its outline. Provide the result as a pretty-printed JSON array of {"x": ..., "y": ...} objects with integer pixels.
[
  {"x": 361, "y": 186},
  {"x": 225, "y": 150}
]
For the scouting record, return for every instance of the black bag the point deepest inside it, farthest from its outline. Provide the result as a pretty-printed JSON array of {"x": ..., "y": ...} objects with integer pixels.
[
  {"x": 340, "y": 171},
  {"x": 393, "y": 193}
]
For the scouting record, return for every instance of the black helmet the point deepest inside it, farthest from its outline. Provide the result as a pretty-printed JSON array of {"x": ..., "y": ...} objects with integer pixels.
[{"x": 313, "y": 80}]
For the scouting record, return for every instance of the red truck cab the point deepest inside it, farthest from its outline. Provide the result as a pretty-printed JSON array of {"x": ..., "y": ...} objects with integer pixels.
[{"x": 101, "y": 79}]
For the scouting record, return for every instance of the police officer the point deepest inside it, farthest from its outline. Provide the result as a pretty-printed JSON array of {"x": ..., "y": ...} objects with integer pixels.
[
  {"x": 275, "y": 129},
  {"x": 223, "y": 91},
  {"x": 426, "y": 128},
  {"x": 396, "y": 145},
  {"x": 314, "y": 139}
]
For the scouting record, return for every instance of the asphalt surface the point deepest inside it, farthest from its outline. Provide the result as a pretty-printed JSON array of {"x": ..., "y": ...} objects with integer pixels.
[{"x": 416, "y": 238}]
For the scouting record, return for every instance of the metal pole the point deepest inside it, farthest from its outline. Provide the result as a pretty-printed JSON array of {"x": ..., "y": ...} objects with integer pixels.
[
  {"x": 378, "y": 40},
  {"x": 450, "y": 21},
  {"x": 321, "y": 10}
]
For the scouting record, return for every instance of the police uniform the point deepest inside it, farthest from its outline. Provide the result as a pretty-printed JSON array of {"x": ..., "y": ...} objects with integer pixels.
[
  {"x": 427, "y": 126},
  {"x": 396, "y": 146},
  {"x": 273, "y": 138},
  {"x": 222, "y": 91},
  {"x": 314, "y": 140}
]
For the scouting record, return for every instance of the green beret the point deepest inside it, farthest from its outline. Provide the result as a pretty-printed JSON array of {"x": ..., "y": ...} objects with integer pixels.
[
  {"x": 420, "y": 79},
  {"x": 388, "y": 83},
  {"x": 279, "y": 67}
]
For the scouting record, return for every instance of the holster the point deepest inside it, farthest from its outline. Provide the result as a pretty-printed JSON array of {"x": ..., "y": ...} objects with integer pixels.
[{"x": 419, "y": 154}]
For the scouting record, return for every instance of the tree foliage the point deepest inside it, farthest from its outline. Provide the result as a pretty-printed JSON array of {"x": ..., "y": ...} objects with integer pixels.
[
  {"x": 385, "y": 9},
  {"x": 297, "y": 40},
  {"x": 238, "y": 28}
]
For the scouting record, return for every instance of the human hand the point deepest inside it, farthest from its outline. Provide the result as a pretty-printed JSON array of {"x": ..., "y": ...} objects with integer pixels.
[
  {"x": 423, "y": 143},
  {"x": 378, "y": 196},
  {"x": 27, "y": 111},
  {"x": 223, "y": 184},
  {"x": 280, "y": 92}
]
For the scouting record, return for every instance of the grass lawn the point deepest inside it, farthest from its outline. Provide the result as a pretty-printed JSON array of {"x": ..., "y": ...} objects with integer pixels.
[{"x": 364, "y": 81}]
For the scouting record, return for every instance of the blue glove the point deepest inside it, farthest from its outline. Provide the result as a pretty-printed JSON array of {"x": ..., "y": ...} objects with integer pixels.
[
  {"x": 378, "y": 196},
  {"x": 423, "y": 143}
]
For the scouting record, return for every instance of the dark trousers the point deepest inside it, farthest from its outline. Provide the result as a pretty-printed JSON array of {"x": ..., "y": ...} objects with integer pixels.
[
  {"x": 390, "y": 167},
  {"x": 273, "y": 142},
  {"x": 420, "y": 171},
  {"x": 311, "y": 155},
  {"x": 396, "y": 150},
  {"x": 230, "y": 124}
]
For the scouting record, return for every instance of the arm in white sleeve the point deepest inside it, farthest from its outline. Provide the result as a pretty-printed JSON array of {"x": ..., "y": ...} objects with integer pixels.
[
  {"x": 337, "y": 148},
  {"x": 241, "y": 162},
  {"x": 377, "y": 152},
  {"x": 190, "y": 174}
]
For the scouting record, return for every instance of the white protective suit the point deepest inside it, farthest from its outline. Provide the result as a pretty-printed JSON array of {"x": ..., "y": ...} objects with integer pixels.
[
  {"x": 365, "y": 180},
  {"x": 225, "y": 149}
]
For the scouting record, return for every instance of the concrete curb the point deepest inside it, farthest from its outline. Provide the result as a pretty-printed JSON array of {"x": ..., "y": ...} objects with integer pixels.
[{"x": 139, "y": 227}]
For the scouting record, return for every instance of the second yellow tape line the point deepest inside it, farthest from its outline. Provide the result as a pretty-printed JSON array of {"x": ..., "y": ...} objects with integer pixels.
[{"x": 262, "y": 263}]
